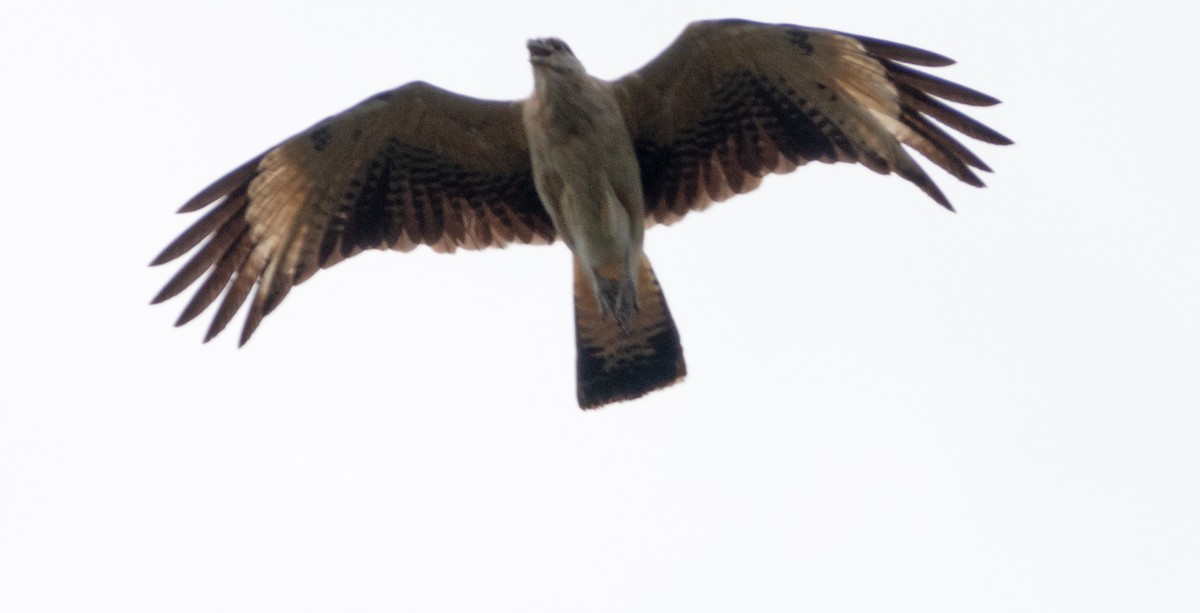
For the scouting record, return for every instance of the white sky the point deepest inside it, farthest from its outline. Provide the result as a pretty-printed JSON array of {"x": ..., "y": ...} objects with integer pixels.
[{"x": 889, "y": 407}]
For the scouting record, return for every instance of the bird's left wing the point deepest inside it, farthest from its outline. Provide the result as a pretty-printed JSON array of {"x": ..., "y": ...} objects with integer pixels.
[
  {"x": 417, "y": 165},
  {"x": 731, "y": 101}
]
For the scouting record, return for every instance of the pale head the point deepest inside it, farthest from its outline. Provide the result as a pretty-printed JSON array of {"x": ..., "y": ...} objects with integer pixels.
[{"x": 552, "y": 54}]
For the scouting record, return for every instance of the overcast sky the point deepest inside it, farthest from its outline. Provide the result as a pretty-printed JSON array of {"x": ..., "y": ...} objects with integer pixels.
[{"x": 888, "y": 408}]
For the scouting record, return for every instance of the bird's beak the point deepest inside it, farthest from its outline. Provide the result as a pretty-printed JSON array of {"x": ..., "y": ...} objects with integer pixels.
[{"x": 538, "y": 51}]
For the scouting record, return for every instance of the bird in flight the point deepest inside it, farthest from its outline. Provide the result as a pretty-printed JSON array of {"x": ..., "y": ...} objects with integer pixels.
[{"x": 584, "y": 160}]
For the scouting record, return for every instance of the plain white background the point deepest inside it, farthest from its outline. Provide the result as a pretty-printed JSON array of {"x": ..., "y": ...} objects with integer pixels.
[{"x": 889, "y": 407}]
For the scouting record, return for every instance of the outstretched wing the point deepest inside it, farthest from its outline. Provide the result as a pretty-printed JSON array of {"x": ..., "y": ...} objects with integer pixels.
[
  {"x": 731, "y": 101},
  {"x": 417, "y": 165}
]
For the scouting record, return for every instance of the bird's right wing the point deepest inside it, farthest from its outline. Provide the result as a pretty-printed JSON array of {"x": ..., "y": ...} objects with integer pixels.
[{"x": 417, "y": 165}]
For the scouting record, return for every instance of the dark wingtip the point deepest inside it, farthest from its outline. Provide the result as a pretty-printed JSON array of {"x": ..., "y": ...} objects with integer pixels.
[
  {"x": 989, "y": 136},
  {"x": 902, "y": 53},
  {"x": 930, "y": 188},
  {"x": 937, "y": 86},
  {"x": 211, "y": 334},
  {"x": 240, "y": 175},
  {"x": 217, "y": 324},
  {"x": 166, "y": 255},
  {"x": 985, "y": 99},
  {"x": 187, "y": 315},
  {"x": 252, "y": 320},
  {"x": 977, "y": 98}
]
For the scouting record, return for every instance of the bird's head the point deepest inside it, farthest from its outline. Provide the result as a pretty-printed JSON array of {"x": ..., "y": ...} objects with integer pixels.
[{"x": 552, "y": 54}]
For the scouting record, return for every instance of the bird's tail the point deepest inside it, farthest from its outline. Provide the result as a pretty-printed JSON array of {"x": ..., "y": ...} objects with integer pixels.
[{"x": 622, "y": 362}]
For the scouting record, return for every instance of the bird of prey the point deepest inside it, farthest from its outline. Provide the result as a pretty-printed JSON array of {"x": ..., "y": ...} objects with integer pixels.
[{"x": 584, "y": 160}]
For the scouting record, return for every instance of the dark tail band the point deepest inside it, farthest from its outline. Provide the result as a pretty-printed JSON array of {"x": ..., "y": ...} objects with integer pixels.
[{"x": 615, "y": 364}]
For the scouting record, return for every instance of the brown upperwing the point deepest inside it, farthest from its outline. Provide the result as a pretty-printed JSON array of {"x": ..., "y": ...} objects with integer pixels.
[
  {"x": 417, "y": 165},
  {"x": 731, "y": 101}
]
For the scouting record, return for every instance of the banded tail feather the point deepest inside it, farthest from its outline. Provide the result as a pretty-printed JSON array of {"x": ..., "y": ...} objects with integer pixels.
[{"x": 615, "y": 364}]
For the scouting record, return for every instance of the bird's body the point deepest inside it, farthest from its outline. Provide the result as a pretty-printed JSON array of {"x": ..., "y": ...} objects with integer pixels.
[
  {"x": 590, "y": 161},
  {"x": 586, "y": 173},
  {"x": 587, "y": 176}
]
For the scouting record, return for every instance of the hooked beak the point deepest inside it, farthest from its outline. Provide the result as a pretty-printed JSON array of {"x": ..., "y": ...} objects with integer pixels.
[{"x": 539, "y": 51}]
